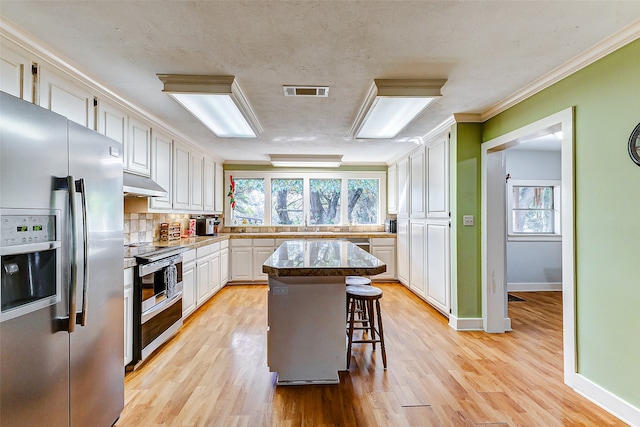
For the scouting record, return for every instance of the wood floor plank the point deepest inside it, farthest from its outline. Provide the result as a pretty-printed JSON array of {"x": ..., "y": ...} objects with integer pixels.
[{"x": 214, "y": 373}]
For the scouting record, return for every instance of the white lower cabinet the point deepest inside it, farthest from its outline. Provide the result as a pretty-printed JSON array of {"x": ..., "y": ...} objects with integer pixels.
[
  {"x": 438, "y": 281},
  {"x": 385, "y": 250},
  {"x": 188, "y": 282},
  {"x": 247, "y": 257},
  {"x": 128, "y": 315},
  {"x": 417, "y": 265},
  {"x": 224, "y": 263},
  {"x": 402, "y": 248}
]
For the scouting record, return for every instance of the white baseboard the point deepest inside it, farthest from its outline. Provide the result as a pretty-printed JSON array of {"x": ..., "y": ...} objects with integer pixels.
[
  {"x": 604, "y": 398},
  {"x": 468, "y": 324},
  {"x": 533, "y": 287}
]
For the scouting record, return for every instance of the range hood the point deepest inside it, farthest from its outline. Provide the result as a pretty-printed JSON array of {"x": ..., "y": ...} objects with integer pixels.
[{"x": 140, "y": 186}]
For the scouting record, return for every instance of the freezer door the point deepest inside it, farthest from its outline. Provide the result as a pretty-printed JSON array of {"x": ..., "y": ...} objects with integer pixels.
[
  {"x": 97, "y": 372},
  {"x": 34, "y": 352}
]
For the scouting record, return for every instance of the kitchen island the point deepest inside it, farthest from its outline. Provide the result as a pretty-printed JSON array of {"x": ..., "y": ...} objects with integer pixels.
[{"x": 306, "y": 341}]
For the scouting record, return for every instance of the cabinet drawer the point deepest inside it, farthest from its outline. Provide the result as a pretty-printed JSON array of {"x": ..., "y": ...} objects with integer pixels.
[
  {"x": 383, "y": 241},
  {"x": 215, "y": 247},
  {"x": 224, "y": 244},
  {"x": 204, "y": 251},
  {"x": 264, "y": 242},
  {"x": 189, "y": 255},
  {"x": 236, "y": 243}
]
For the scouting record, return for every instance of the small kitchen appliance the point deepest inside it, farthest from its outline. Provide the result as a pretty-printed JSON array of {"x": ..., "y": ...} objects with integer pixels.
[
  {"x": 206, "y": 226},
  {"x": 391, "y": 226}
]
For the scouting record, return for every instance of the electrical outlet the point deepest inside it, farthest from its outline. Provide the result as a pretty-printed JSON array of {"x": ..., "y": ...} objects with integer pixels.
[
  {"x": 280, "y": 290},
  {"x": 467, "y": 220}
]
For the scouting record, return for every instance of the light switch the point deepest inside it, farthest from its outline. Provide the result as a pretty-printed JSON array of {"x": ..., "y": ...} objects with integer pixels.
[{"x": 467, "y": 220}]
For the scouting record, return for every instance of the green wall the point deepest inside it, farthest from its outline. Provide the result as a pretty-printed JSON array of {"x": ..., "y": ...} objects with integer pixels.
[
  {"x": 606, "y": 96},
  {"x": 466, "y": 286}
]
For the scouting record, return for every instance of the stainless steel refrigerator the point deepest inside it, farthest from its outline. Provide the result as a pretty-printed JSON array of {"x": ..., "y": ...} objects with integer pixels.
[{"x": 61, "y": 248}]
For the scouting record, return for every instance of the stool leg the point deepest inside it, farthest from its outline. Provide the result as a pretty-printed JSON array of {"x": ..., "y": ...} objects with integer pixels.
[
  {"x": 372, "y": 320},
  {"x": 350, "y": 333},
  {"x": 381, "y": 332}
]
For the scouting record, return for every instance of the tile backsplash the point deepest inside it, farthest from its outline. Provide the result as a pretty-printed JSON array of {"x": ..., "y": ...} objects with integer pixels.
[{"x": 145, "y": 227}]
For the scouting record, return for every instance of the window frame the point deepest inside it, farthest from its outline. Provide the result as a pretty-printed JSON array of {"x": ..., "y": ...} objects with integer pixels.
[
  {"x": 306, "y": 176},
  {"x": 556, "y": 235}
]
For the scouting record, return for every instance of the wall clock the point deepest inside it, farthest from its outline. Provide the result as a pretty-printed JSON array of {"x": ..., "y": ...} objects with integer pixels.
[{"x": 634, "y": 145}]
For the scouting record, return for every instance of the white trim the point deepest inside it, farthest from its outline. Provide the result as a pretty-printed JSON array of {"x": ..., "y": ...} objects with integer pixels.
[
  {"x": 468, "y": 117},
  {"x": 534, "y": 287},
  {"x": 435, "y": 133},
  {"x": 611, "y": 403},
  {"x": 493, "y": 311},
  {"x": 465, "y": 324},
  {"x": 600, "y": 50}
]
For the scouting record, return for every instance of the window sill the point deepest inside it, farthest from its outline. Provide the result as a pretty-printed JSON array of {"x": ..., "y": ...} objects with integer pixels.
[{"x": 534, "y": 238}]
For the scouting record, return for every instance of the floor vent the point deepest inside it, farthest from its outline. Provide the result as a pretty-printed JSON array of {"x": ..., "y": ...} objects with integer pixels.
[{"x": 317, "y": 91}]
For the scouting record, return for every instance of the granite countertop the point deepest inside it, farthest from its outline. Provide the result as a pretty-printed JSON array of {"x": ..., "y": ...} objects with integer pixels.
[{"x": 322, "y": 258}]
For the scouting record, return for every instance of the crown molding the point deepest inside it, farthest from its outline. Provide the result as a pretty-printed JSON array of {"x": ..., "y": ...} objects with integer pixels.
[
  {"x": 599, "y": 51},
  {"x": 467, "y": 117}
]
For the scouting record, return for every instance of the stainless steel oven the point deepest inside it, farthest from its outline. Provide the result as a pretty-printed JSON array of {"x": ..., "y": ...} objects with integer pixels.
[{"x": 157, "y": 299}]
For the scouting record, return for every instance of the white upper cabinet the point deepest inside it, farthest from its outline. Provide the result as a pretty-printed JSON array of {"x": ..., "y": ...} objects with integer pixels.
[
  {"x": 138, "y": 150},
  {"x": 196, "y": 187},
  {"x": 392, "y": 200},
  {"x": 181, "y": 174},
  {"x": 66, "y": 97},
  {"x": 218, "y": 198},
  {"x": 15, "y": 73},
  {"x": 403, "y": 188},
  {"x": 161, "y": 171},
  {"x": 112, "y": 122},
  {"x": 209, "y": 185},
  {"x": 438, "y": 179},
  {"x": 417, "y": 191}
]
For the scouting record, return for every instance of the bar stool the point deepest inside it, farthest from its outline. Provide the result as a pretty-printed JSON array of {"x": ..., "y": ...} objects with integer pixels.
[
  {"x": 366, "y": 295},
  {"x": 357, "y": 281}
]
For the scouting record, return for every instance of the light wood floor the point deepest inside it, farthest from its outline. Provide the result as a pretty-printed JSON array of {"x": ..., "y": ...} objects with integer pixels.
[{"x": 214, "y": 373}]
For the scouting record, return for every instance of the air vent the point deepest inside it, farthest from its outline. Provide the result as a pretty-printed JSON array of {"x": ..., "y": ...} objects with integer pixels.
[{"x": 317, "y": 91}]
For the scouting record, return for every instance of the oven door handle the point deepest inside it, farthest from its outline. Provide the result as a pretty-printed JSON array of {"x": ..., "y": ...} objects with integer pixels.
[{"x": 160, "y": 307}]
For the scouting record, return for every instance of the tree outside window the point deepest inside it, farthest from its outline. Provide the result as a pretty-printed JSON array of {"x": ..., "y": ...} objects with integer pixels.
[
  {"x": 249, "y": 198},
  {"x": 533, "y": 209},
  {"x": 287, "y": 203},
  {"x": 324, "y": 201},
  {"x": 362, "y": 198}
]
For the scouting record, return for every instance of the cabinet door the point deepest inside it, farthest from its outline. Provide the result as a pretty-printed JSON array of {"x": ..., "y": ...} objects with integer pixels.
[
  {"x": 392, "y": 201},
  {"x": 417, "y": 259},
  {"x": 197, "y": 172},
  {"x": 188, "y": 288},
  {"x": 386, "y": 254},
  {"x": 241, "y": 264},
  {"x": 161, "y": 150},
  {"x": 402, "y": 245},
  {"x": 112, "y": 122},
  {"x": 138, "y": 152},
  {"x": 214, "y": 270},
  {"x": 438, "y": 179},
  {"x": 403, "y": 188},
  {"x": 218, "y": 198},
  {"x": 15, "y": 73},
  {"x": 224, "y": 266},
  {"x": 260, "y": 255},
  {"x": 209, "y": 185},
  {"x": 69, "y": 99},
  {"x": 181, "y": 176},
  {"x": 438, "y": 290},
  {"x": 203, "y": 280},
  {"x": 128, "y": 315},
  {"x": 417, "y": 173}
]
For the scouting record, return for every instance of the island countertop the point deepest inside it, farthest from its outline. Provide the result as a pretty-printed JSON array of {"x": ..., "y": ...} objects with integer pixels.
[{"x": 325, "y": 257}]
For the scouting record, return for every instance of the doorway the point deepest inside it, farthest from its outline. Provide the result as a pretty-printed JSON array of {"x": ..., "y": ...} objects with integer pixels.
[{"x": 494, "y": 227}]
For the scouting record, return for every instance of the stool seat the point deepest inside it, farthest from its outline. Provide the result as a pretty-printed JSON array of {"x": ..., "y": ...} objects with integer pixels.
[
  {"x": 357, "y": 281},
  {"x": 364, "y": 292}
]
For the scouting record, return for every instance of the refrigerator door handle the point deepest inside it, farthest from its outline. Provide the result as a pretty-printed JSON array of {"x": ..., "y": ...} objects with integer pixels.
[
  {"x": 73, "y": 286},
  {"x": 81, "y": 318}
]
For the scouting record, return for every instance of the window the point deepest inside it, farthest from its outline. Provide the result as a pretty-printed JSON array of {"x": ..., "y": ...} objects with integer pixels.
[
  {"x": 363, "y": 201},
  {"x": 534, "y": 208},
  {"x": 249, "y": 201},
  {"x": 324, "y": 201},
  {"x": 297, "y": 199},
  {"x": 287, "y": 202}
]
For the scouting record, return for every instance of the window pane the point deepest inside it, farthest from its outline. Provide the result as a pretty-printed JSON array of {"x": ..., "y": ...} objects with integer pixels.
[
  {"x": 363, "y": 201},
  {"x": 286, "y": 202},
  {"x": 324, "y": 201},
  {"x": 533, "y": 221},
  {"x": 249, "y": 198},
  {"x": 532, "y": 197}
]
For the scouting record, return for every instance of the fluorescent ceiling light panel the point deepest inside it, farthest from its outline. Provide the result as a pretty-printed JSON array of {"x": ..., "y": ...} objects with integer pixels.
[
  {"x": 392, "y": 104},
  {"x": 218, "y": 102},
  {"x": 305, "y": 161}
]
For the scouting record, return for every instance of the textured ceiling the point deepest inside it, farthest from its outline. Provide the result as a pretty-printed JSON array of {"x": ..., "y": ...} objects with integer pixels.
[{"x": 487, "y": 50}]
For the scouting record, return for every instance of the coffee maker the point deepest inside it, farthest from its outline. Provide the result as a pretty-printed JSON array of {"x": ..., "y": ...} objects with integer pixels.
[{"x": 207, "y": 226}]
